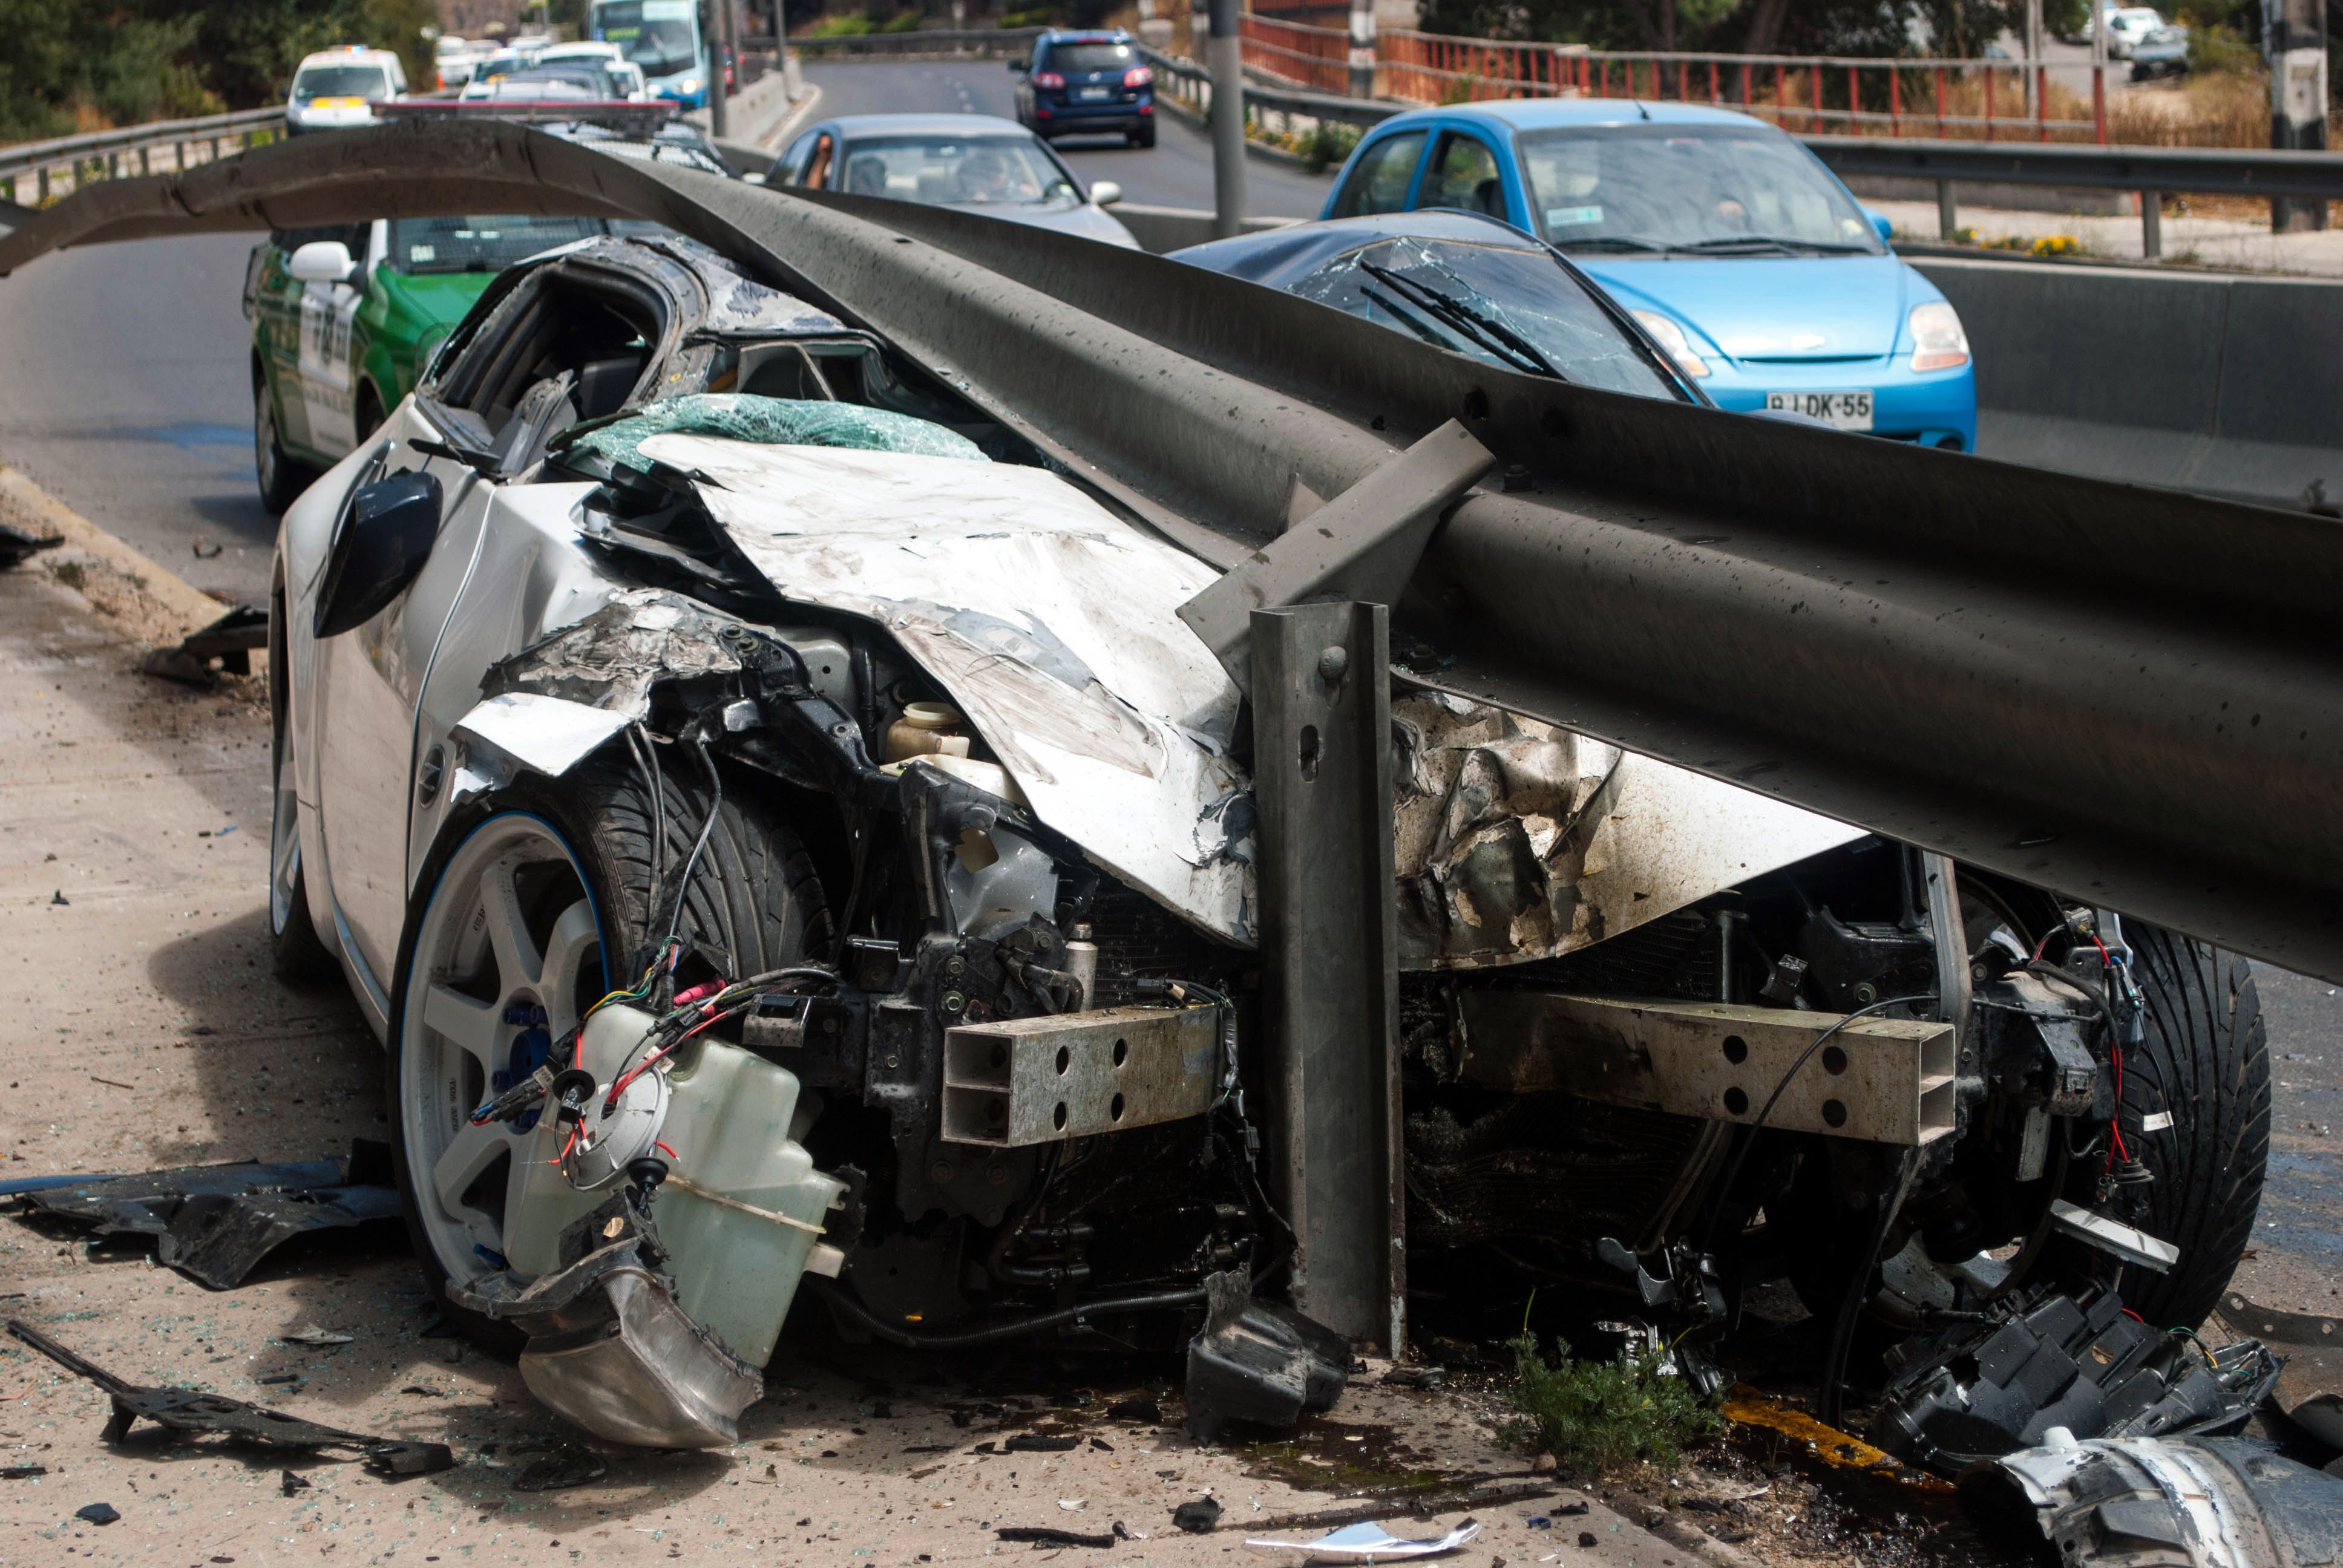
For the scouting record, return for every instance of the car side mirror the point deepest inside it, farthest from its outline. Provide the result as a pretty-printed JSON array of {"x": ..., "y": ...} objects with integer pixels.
[
  {"x": 1105, "y": 193},
  {"x": 382, "y": 549},
  {"x": 1881, "y": 224},
  {"x": 322, "y": 261}
]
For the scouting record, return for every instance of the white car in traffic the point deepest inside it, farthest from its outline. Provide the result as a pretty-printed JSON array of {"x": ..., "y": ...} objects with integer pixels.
[{"x": 336, "y": 89}]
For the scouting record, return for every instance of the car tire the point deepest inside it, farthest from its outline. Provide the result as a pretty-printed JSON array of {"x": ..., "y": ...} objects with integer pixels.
[
  {"x": 753, "y": 903},
  {"x": 282, "y": 480},
  {"x": 1143, "y": 138},
  {"x": 296, "y": 952},
  {"x": 2205, "y": 1061}
]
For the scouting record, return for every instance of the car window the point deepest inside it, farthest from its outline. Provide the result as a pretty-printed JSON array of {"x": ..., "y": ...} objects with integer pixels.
[
  {"x": 351, "y": 235},
  {"x": 817, "y": 169},
  {"x": 792, "y": 163},
  {"x": 1074, "y": 59},
  {"x": 1519, "y": 308},
  {"x": 424, "y": 246},
  {"x": 990, "y": 171},
  {"x": 1713, "y": 189},
  {"x": 1378, "y": 181},
  {"x": 1463, "y": 174},
  {"x": 371, "y": 82}
]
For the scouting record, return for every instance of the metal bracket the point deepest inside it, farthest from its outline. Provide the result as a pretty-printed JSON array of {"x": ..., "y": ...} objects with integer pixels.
[
  {"x": 1330, "y": 951},
  {"x": 1362, "y": 545}
]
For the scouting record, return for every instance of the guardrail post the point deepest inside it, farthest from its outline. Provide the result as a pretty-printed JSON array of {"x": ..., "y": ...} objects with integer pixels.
[
  {"x": 2151, "y": 224},
  {"x": 1948, "y": 217},
  {"x": 42, "y": 183},
  {"x": 178, "y": 156},
  {"x": 1329, "y": 945},
  {"x": 1227, "y": 62}
]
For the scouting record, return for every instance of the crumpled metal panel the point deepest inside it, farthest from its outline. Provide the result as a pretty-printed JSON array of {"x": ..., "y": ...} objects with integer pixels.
[
  {"x": 1517, "y": 840},
  {"x": 1052, "y": 623}
]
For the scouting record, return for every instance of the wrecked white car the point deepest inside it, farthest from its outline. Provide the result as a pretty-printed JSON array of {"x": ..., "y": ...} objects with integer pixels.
[{"x": 781, "y": 823}]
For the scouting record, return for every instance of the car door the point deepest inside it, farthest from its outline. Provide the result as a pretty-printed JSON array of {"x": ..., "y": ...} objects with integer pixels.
[
  {"x": 327, "y": 311},
  {"x": 1465, "y": 174},
  {"x": 277, "y": 323},
  {"x": 370, "y": 681}
]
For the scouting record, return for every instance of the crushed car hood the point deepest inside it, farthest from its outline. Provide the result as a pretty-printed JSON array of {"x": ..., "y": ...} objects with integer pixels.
[
  {"x": 1052, "y": 624},
  {"x": 1055, "y": 627}
]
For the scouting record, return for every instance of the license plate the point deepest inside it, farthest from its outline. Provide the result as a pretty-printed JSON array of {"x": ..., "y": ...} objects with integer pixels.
[
  {"x": 1845, "y": 410},
  {"x": 1094, "y": 94}
]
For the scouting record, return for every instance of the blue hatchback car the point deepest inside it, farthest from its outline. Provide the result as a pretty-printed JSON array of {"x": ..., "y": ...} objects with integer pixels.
[
  {"x": 1086, "y": 84},
  {"x": 1736, "y": 249}
]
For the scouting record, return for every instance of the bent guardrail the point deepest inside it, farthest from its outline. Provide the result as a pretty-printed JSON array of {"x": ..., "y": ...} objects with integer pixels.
[{"x": 66, "y": 163}]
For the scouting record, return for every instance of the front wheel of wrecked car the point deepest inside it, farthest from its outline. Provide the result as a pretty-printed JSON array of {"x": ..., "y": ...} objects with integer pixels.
[
  {"x": 537, "y": 905},
  {"x": 282, "y": 480},
  {"x": 2195, "y": 1112}
]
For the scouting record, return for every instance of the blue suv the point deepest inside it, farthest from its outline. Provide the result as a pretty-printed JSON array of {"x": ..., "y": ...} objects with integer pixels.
[{"x": 1086, "y": 84}]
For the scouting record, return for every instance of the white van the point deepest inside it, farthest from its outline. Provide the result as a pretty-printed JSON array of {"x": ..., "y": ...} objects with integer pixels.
[{"x": 336, "y": 89}]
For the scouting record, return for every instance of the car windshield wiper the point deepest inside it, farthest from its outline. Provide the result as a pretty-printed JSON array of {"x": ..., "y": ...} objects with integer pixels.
[
  {"x": 1779, "y": 242},
  {"x": 1612, "y": 242},
  {"x": 1475, "y": 326}
]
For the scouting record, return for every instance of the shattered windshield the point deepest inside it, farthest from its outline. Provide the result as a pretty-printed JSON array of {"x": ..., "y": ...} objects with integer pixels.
[
  {"x": 946, "y": 170},
  {"x": 1510, "y": 306},
  {"x": 1702, "y": 190}
]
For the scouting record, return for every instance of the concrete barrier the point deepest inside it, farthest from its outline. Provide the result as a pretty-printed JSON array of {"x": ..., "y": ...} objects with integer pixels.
[{"x": 2213, "y": 382}]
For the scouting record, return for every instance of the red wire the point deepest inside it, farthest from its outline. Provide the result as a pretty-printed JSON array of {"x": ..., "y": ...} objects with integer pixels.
[
  {"x": 665, "y": 1149},
  {"x": 2135, "y": 1317},
  {"x": 566, "y": 1147}
]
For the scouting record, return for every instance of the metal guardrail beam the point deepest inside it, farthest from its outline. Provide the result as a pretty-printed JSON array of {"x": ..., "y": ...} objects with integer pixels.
[
  {"x": 2125, "y": 694},
  {"x": 26, "y": 157},
  {"x": 2198, "y": 171}
]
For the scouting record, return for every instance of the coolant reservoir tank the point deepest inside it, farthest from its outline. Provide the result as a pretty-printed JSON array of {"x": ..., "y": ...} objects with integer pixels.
[
  {"x": 743, "y": 1207},
  {"x": 926, "y": 729}
]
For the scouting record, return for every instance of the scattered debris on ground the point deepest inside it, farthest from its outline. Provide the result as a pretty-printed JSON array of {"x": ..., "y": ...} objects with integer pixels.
[
  {"x": 226, "y": 646},
  {"x": 1370, "y": 1543},
  {"x": 188, "y": 1410},
  {"x": 215, "y": 1223}
]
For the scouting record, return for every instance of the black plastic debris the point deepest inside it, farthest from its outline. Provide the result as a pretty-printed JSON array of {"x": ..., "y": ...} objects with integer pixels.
[
  {"x": 1039, "y": 1536},
  {"x": 2082, "y": 1364},
  {"x": 1258, "y": 1362},
  {"x": 2184, "y": 1502},
  {"x": 232, "y": 639},
  {"x": 1146, "y": 1410},
  {"x": 1198, "y": 1516},
  {"x": 18, "y": 547},
  {"x": 563, "y": 1464},
  {"x": 289, "y": 1483},
  {"x": 22, "y": 1472},
  {"x": 1041, "y": 1443},
  {"x": 192, "y": 1411},
  {"x": 98, "y": 1513},
  {"x": 215, "y": 1223}
]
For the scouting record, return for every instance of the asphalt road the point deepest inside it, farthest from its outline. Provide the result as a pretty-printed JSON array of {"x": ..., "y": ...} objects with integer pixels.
[
  {"x": 1176, "y": 172},
  {"x": 127, "y": 396}
]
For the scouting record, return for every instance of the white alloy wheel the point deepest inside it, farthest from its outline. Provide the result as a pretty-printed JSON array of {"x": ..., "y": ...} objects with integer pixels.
[{"x": 510, "y": 927}]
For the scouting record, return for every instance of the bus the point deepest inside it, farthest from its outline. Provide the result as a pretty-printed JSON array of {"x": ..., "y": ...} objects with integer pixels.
[{"x": 662, "y": 37}]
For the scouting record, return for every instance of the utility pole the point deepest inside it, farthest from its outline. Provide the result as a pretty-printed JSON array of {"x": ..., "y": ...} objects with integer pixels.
[
  {"x": 1226, "y": 61},
  {"x": 1362, "y": 49},
  {"x": 2294, "y": 36},
  {"x": 2033, "y": 49},
  {"x": 720, "y": 14}
]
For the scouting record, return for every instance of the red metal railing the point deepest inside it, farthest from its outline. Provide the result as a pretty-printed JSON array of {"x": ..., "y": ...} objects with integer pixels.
[{"x": 1961, "y": 99}]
